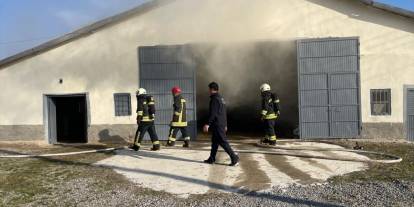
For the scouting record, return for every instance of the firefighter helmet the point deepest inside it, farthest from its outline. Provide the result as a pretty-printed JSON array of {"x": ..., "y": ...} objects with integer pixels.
[
  {"x": 141, "y": 91},
  {"x": 265, "y": 87},
  {"x": 176, "y": 90}
]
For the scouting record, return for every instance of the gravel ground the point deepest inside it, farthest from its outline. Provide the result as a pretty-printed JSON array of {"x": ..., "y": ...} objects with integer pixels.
[{"x": 80, "y": 192}]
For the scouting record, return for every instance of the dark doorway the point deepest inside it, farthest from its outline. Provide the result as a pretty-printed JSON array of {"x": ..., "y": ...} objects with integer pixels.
[
  {"x": 240, "y": 69},
  {"x": 68, "y": 119}
]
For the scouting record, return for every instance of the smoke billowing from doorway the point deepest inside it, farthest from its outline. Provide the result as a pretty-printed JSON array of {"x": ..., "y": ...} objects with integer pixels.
[{"x": 240, "y": 69}]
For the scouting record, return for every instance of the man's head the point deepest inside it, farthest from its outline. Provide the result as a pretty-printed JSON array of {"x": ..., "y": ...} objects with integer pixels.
[
  {"x": 141, "y": 91},
  {"x": 176, "y": 90},
  {"x": 213, "y": 88},
  {"x": 265, "y": 87}
]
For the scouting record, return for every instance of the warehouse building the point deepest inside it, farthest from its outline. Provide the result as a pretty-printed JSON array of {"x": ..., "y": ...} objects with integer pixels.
[{"x": 342, "y": 69}]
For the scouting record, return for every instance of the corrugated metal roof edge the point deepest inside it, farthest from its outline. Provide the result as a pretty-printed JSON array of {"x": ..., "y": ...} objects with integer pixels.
[
  {"x": 389, "y": 8},
  {"x": 82, "y": 32},
  {"x": 148, "y": 6}
]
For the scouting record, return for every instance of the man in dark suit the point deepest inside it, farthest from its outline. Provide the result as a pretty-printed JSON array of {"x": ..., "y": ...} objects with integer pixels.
[{"x": 217, "y": 124}]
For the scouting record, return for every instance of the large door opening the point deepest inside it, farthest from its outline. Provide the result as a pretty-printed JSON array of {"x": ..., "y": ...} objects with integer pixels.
[
  {"x": 67, "y": 119},
  {"x": 239, "y": 68}
]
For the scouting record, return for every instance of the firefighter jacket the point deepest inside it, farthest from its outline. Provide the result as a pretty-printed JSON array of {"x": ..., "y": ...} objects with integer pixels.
[
  {"x": 270, "y": 105},
  {"x": 146, "y": 108},
  {"x": 180, "y": 110},
  {"x": 217, "y": 113}
]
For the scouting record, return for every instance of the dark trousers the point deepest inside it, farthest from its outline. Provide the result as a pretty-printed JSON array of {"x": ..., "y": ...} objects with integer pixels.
[
  {"x": 269, "y": 128},
  {"x": 219, "y": 139},
  {"x": 174, "y": 131},
  {"x": 142, "y": 129}
]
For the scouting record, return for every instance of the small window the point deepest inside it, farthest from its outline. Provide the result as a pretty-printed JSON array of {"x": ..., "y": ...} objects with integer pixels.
[
  {"x": 380, "y": 102},
  {"x": 122, "y": 104}
]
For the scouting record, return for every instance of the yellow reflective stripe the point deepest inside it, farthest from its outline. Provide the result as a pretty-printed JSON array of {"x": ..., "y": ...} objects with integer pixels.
[
  {"x": 151, "y": 103},
  {"x": 180, "y": 119},
  {"x": 182, "y": 100},
  {"x": 144, "y": 102},
  {"x": 187, "y": 138},
  {"x": 140, "y": 113},
  {"x": 264, "y": 112},
  {"x": 277, "y": 101},
  {"x": 177, "y": 113},
  {"x": 273, "y": 138},
  {"x": 178, "y": 124},
  {"x": 172, "y": 139},
  {"x": 156, "y": 142},
  {"x": 146, "y": 118},
  {"x": 271, "y": 116}
]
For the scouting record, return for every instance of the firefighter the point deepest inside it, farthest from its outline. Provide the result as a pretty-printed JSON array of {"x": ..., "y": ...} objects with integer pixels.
[
  {"x": 270, "y": 112},
  {"x": 179, "y": 120},
  {"x": 217, "y": 124},
  {"x": 145, "y": 120}
]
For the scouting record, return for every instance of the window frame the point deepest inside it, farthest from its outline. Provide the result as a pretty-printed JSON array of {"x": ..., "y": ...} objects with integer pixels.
[
  {"x": 119, "y": 110},
  {"x": 381, "y": 96}
]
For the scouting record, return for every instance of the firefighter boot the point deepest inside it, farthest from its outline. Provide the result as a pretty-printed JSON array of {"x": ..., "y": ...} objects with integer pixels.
[
  {"x": 170, "y": 143},
  {"x": 155, "y": 147},
  {"x": 265, "y": 140},
  {"x": 134, "y": 147},
  {"x": 186, "y": 144},
  {"x": 272, "y": 142}
]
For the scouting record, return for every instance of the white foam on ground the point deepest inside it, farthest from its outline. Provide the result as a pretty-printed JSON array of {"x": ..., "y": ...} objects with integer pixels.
[
  {"x": 175, "y": 171},
  {"x": 182, "y": 172},
  {"x": 276, "y": 177},
  {"x": 333, "y": 167}
]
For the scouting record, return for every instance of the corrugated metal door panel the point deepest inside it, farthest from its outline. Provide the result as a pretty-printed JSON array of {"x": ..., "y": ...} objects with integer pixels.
[
  {"x": 315, "y": 130},
  {"x": 410, "y": 114},
  {"x": 315, "y": 114},
  {"x": 328, "y": 47},
  {"x": 314, "y": 98},
  {"x": 161, "y": 68},
  {"x": 314, "y": 81},
  {"x": 329, "y": 82},
  {"x": 328, "y": 64}
]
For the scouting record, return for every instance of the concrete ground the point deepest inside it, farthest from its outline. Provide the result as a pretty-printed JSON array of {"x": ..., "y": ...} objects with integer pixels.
[
  {"x": 79, "y": 180},
  {"x": 181, "y": 172}
]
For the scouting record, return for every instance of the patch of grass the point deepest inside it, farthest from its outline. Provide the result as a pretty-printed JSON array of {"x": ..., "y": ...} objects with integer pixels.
[
  {"x": 403, "y": 171},
  {"x": 22, "y": 180}
]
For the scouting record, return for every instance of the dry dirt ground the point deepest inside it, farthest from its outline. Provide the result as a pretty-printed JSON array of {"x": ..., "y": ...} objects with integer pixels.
[{"x": 177, "y": 177}]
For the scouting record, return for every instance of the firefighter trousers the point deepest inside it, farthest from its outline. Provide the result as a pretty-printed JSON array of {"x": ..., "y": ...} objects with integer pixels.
[
  {"x": 269, "y": 128},
  {"x": 144, "y": 127},
  {"x": 174, "y": 131}
]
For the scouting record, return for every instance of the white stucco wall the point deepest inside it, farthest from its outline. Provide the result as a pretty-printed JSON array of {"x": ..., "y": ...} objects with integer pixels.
[{"x": 106, "y": 62}]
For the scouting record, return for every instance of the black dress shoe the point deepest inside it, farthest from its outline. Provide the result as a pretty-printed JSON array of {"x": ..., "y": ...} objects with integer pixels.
[
  {"x": 235, "y": 161},
  {"x": 186, "y": 144},
  {"x": 170, "y": 144},
  {"x": 209, "y": 161}
]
